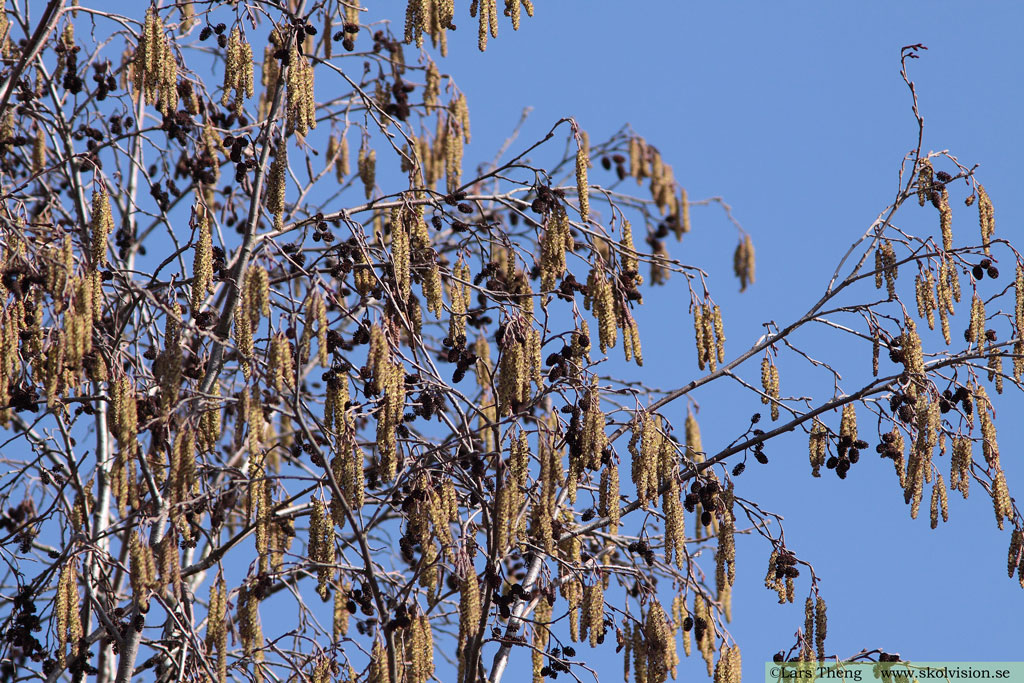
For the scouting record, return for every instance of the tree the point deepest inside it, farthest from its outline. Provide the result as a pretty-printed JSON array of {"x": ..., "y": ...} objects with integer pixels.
[{"x": 381, "y": 401}]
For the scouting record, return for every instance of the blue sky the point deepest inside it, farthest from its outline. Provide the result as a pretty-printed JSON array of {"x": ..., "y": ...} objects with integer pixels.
[{"x": 796, "y": 115}]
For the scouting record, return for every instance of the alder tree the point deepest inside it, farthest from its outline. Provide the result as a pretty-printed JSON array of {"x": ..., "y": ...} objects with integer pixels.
[{"x": 288, "y": 392}]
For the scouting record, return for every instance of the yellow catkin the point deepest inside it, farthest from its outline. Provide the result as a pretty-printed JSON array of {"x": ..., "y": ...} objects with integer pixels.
[
  {"x": 250, "y": 630},
  {"x": 601, "y": 299},
  {"x": 101, "y": 225},
  {"x": 541, "y": 636},
  {"x": 886, "y": 269},
  {"x": 66, "y": 611},
  {"x": 280, "y": 364},
  {"x": 1018, "y": 345},
  {"x": 924, "y": 181},
  {"x": 820, "y": 627},
  {"x": 743, "y": 262},
  {"x": 945, "y": 220},
  {"x": 770, "y": 385},
  {"x": 154, "y": 68},
  {"x": 698, "y": 329},
  {"x": 582, "y": 185},
  {"x": 469, "y": 618},
  {"x": 707, "y": 320},
  {"x": 216, "y": 627},
  {"x": 1015, "y": 555},
  {"x": 592, "y": 624},
  {"x": 986, "y": 218},
  {"x": 366, "y": 166},
  {"x": 238, "y": 71},
  {"x": 301, "y": 103},
  {"x": 202, "y": 263},
  {"x": 277, "y": 183},
  {"x": 554, "y": 244},
  {"x": 341, "y": 613},
  {"x": 321, "y": 546},
  {"x": 675, "y": 523},
  {"x": 816, "y": 446},
  {"x": 659, "y": 644},
  {"x": 608, "y": 505}
]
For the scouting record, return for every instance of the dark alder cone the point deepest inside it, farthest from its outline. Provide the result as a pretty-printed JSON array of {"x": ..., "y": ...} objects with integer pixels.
[
  {"x": 978, "y": 272},
  {"x": 992, "y": 272}
]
